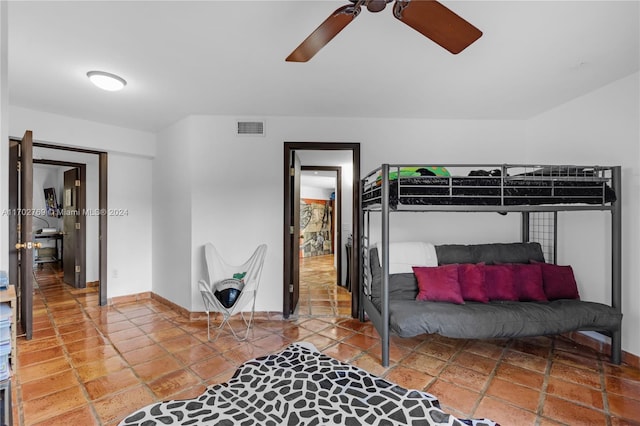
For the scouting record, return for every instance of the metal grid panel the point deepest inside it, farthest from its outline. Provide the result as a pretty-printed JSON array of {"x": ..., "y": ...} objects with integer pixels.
[{"x": 542, "y": 229}]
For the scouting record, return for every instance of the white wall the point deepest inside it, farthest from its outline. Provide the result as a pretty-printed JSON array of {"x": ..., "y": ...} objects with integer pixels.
[
  {"x": 602, "y": 127},
  {"x": 130, "y": 243},
  {"x": 236, "y": 186},
  {"x": 4, "y": 130},
  {"x": 129, "y": 187},
  {"x": 172, "y": 248},
  {"x": 73, "y": 132},
  {"x": 444, "y": 142},
  {"x": 237, "y": 200}
]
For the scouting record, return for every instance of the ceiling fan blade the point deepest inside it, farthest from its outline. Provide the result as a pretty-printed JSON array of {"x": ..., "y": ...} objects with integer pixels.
[
  {"x": 324, "y": 33},
  {"x": 437, "y": 22}
]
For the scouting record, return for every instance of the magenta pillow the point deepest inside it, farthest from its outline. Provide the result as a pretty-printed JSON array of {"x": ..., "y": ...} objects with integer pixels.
[
  {"x": 438, "y": 283},
  {"x": 559, "y": 282},
  {"x": 472, "y": 282},
  {"x": 500, "y": 282},
  {"x": 528, "y": 277}
]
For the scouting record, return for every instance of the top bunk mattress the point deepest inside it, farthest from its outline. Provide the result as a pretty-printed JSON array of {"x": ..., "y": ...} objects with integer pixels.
[{"x": 505, "y": 185}]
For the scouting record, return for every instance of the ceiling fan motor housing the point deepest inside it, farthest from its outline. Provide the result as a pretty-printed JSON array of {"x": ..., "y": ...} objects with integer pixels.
[{"x": 377, "y": 5}]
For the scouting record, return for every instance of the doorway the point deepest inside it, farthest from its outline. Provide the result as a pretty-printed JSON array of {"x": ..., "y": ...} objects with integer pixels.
[
  {"x": 323, "y": 286},
  {"x": 65, "y": 202},
  {"x": 292, "y": 171},
  {"x": 20, "y": 225}
]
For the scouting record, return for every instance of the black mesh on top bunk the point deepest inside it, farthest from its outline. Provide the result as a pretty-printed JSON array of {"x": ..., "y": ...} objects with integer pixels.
[{"x": 491, "y": 191}]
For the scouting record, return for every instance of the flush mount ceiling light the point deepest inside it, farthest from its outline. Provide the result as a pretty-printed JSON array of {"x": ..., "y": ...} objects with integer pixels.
[{"x": 107, "y": 81}]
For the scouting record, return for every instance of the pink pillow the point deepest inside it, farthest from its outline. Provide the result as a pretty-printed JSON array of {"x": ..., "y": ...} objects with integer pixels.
[
  {"x": 438, "y": 283},
  {"x": 472, "y": 282},
  {"x": 528, "y": 277},
  {"x": 500, "y": 282},
  {"x": 559, "y": 281}
]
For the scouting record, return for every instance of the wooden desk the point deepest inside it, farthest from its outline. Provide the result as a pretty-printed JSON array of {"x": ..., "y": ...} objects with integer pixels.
[
  {"x": 57, "y": 237},
  {"x": 9, "y": 296}
]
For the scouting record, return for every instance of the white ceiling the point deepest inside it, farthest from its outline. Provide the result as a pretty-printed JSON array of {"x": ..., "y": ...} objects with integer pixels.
[
  {"x": 227, "y": 58},
  {"x": 318, "y": 179}
]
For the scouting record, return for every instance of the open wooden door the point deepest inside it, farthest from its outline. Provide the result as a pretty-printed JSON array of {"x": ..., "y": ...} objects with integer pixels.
[
  {"x": 292, "y": 234},
  {"x": 72, "y": 263},
  {"x": 23, "y": 187}
]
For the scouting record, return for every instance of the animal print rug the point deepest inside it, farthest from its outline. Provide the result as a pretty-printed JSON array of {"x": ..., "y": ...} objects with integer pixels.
[{"x": 300, "y": 386}]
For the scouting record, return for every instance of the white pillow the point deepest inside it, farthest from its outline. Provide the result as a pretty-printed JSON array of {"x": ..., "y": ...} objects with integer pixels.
[{"x": 404, "y": 255}]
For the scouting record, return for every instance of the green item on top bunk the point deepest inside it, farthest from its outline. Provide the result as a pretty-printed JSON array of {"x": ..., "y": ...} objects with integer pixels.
[
  {"x": 417, "y": 171},
  {"x": 439, "y": 171}
]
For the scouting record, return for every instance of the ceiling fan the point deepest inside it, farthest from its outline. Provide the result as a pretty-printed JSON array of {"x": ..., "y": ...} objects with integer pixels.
[{"x": 428, "y": 17}]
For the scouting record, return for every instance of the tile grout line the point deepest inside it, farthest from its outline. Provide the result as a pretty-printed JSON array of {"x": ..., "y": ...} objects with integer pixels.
[
  {"x": 219, "y": 354},
  {"x": 102, "y": 334},
  {"x": 63, "y": 344},
  {"x": 492, "y": 375},
  {"x": 183, "y": 365},
  {"x": 50, "y": 317},
  {"x": 545, "y": 383},
  {"x": 604, "y": 393},
  {"x": 605, "y": 406},
  {"x": 120, "y": 354},
  {"x": 144, "y": 382}
]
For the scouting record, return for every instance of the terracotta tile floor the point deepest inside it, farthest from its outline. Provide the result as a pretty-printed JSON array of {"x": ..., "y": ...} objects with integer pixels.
[
  {"x": 319, "y": 295},
  {"x": 93, "y": 365}
]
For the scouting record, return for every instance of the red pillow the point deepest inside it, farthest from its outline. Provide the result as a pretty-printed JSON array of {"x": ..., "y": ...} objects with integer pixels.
[
  {"x": 559, "y": 282},
  {"x": 528, "y": 277},
  {"x": 438, "y": 283},
  {"x": 500, "y": 282},
  {"x": 472, "y": 282}
]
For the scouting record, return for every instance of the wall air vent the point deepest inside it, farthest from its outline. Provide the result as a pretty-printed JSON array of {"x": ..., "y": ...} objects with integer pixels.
[{"x": 250, "y": 128}]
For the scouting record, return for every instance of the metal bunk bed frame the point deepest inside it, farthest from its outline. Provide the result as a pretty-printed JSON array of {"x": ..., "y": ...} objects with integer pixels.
[{"x": 380, "y": 319}]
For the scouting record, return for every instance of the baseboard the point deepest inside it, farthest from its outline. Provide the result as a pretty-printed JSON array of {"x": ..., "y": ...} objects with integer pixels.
[
  {"x": 601, "y": 344},
  {"x": 182, "y": 311},
  {"x": 129, "y": 298},
  {"x": 202, "y": 316},
  {"x": 132, "y": 298}
]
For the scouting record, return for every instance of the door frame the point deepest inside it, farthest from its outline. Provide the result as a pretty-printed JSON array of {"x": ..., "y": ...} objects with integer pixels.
[
  {"x": 81, "y": 255},
  {"x": 355, "y": 264},
  {"x": 338, "y": 223},
  {"x": 102, "y": 218}
]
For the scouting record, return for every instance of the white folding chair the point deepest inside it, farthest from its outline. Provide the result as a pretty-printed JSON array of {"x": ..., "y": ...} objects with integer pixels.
[{"x": 221, "y": 273}]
